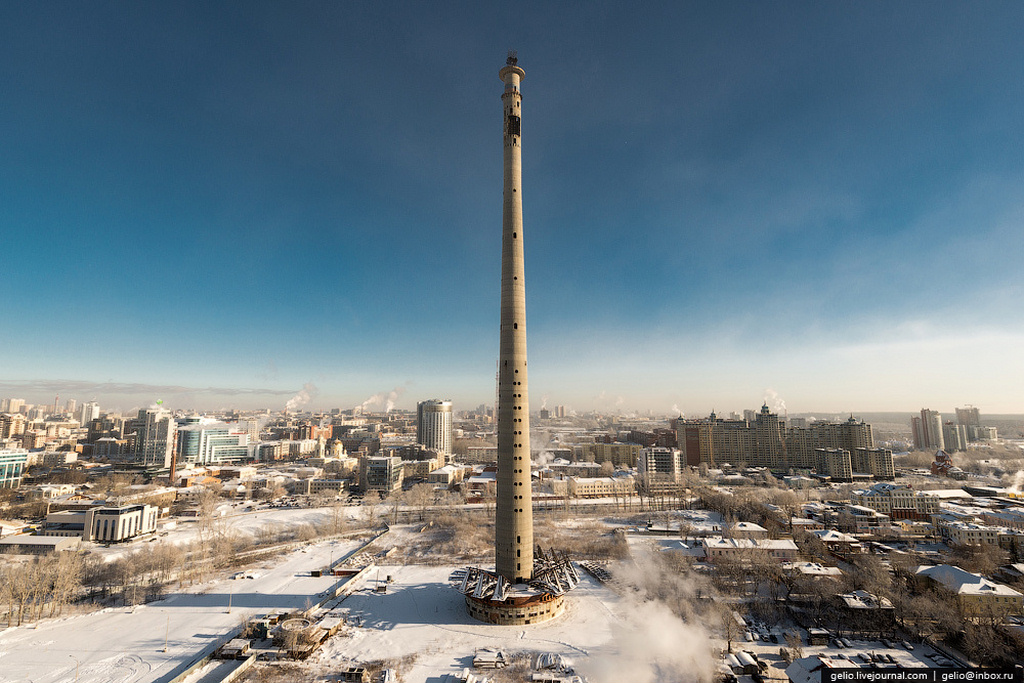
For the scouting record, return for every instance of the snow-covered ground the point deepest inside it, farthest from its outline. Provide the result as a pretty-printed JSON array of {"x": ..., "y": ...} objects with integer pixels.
[
  {"x": 126, "y": 645},
  {"x": 609, "y": 638},
  {"x": 423, "y": 616}
]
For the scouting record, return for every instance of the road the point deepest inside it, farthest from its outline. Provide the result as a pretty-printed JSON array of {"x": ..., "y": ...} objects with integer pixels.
[{"x": 127, "y": 645}]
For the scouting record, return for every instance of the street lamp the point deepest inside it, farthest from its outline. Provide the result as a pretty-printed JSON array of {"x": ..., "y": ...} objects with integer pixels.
[{"x": 77, "y": 664}]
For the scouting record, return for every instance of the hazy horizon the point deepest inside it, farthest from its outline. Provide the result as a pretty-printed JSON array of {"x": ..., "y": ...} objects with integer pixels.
[{"x": 310, "y": 399}]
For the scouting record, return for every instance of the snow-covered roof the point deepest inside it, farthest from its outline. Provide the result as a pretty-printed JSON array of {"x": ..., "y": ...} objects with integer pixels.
[
  {"x": 833, "y": 536},
  {"x": 808, "y": 669},
  {"x": 814, "y": 569},
  {"x": 750, "y": 543},
  {"x": 882, "y": 488},
  {"x": 963, "y": 582},
  {"x": 860, "y": 599}
]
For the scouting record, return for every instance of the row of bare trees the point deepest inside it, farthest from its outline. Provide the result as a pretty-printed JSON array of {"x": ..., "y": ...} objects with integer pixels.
[{"x": 40, "y": 588}]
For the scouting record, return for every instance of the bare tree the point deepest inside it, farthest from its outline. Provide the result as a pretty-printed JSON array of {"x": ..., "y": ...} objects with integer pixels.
[{"x": 420, "y": 496}]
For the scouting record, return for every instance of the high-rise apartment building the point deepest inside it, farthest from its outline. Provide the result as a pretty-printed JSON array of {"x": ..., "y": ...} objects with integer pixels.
[
  {"x": 154, "y": 437},
  {"x": 251, "y": 426},
  {"x": 12, "y": 405},
  {"x": 927, "y": 430},
  {"x": 968, "y": 416},
  {"x": 769, "y": 447},
  {"x": 695, "y": 442},
  {"x": 88, "y": 412},
  {"x": 434, "y": 425},
  {"x": 954, "y": 437},
  {"x": 766, "y": 442},
  {"x": 834, "y": 463},
  {"x": 12, "y": 425},
  {"x": 874, "y": 461}
]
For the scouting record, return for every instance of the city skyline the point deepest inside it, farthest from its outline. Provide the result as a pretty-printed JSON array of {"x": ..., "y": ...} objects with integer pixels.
[{"x": 226, "y": 208}]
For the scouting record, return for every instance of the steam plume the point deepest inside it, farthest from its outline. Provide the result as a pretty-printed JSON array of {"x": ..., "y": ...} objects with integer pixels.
[
  {"x": 651, "y": 643},
  {"x": 304, "y": 396},
  {"x": 772, "y": 398},
  {"x": 384, "y": 399}
]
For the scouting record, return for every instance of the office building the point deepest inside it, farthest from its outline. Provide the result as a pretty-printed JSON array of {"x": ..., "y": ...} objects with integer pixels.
[
  {"x": 434, "y": 425},
  {"x": 13, "y": 462},
  {"x": 154, "y": 437},
  {"x": 380, "y": 474},
  {"x": 211, "y": 441},
  {"x": 658, "y": 470}
]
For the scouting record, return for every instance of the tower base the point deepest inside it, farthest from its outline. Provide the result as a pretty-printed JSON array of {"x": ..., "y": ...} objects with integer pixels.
[
  {"x": 494, "y": 600},
  {"x": 518, "y": 610}
]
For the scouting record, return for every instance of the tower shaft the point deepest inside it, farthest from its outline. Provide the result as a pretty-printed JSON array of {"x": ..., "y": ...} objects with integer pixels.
[{"x": 513, "y": 536}]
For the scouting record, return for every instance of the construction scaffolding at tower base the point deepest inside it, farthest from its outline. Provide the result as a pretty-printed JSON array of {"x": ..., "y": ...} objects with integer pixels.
[{"x": 494, "y": 600}]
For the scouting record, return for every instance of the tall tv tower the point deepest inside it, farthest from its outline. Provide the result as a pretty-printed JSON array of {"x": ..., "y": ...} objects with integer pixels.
[
  {"x": 527, "y": 585},
  {"x": 513, "y": 534}
]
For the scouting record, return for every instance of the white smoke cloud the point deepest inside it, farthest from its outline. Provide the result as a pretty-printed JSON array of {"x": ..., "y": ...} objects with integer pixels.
[
  {"x": 774, "y": 401},
  {"x": 385, "y": 400},
  {"x": 1017, "y": 482},
  {"x": 651, "y": 644},
  {"x": 539, "y": 444},
  {"x": 543, "y": 401},
  {"x": 305, "y": 395},
  {"x": 676, "y": 410}
]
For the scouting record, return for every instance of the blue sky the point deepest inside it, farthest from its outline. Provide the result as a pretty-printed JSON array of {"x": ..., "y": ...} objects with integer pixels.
[{"x": 218, "y": 203}]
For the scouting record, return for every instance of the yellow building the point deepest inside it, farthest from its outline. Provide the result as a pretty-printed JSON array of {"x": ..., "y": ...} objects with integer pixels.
[{"x": 976, "y": 596}]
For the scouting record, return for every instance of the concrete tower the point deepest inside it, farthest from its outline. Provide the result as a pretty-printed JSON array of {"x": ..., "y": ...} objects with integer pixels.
[{"x": 513, "y": 535}]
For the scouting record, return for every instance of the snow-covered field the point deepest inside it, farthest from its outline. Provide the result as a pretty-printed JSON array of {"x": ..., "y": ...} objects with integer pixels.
[
  {"x": 421, "y": 618},
  {"x": 421, "y": 615},
  {"x": 127, "y": 645}
]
